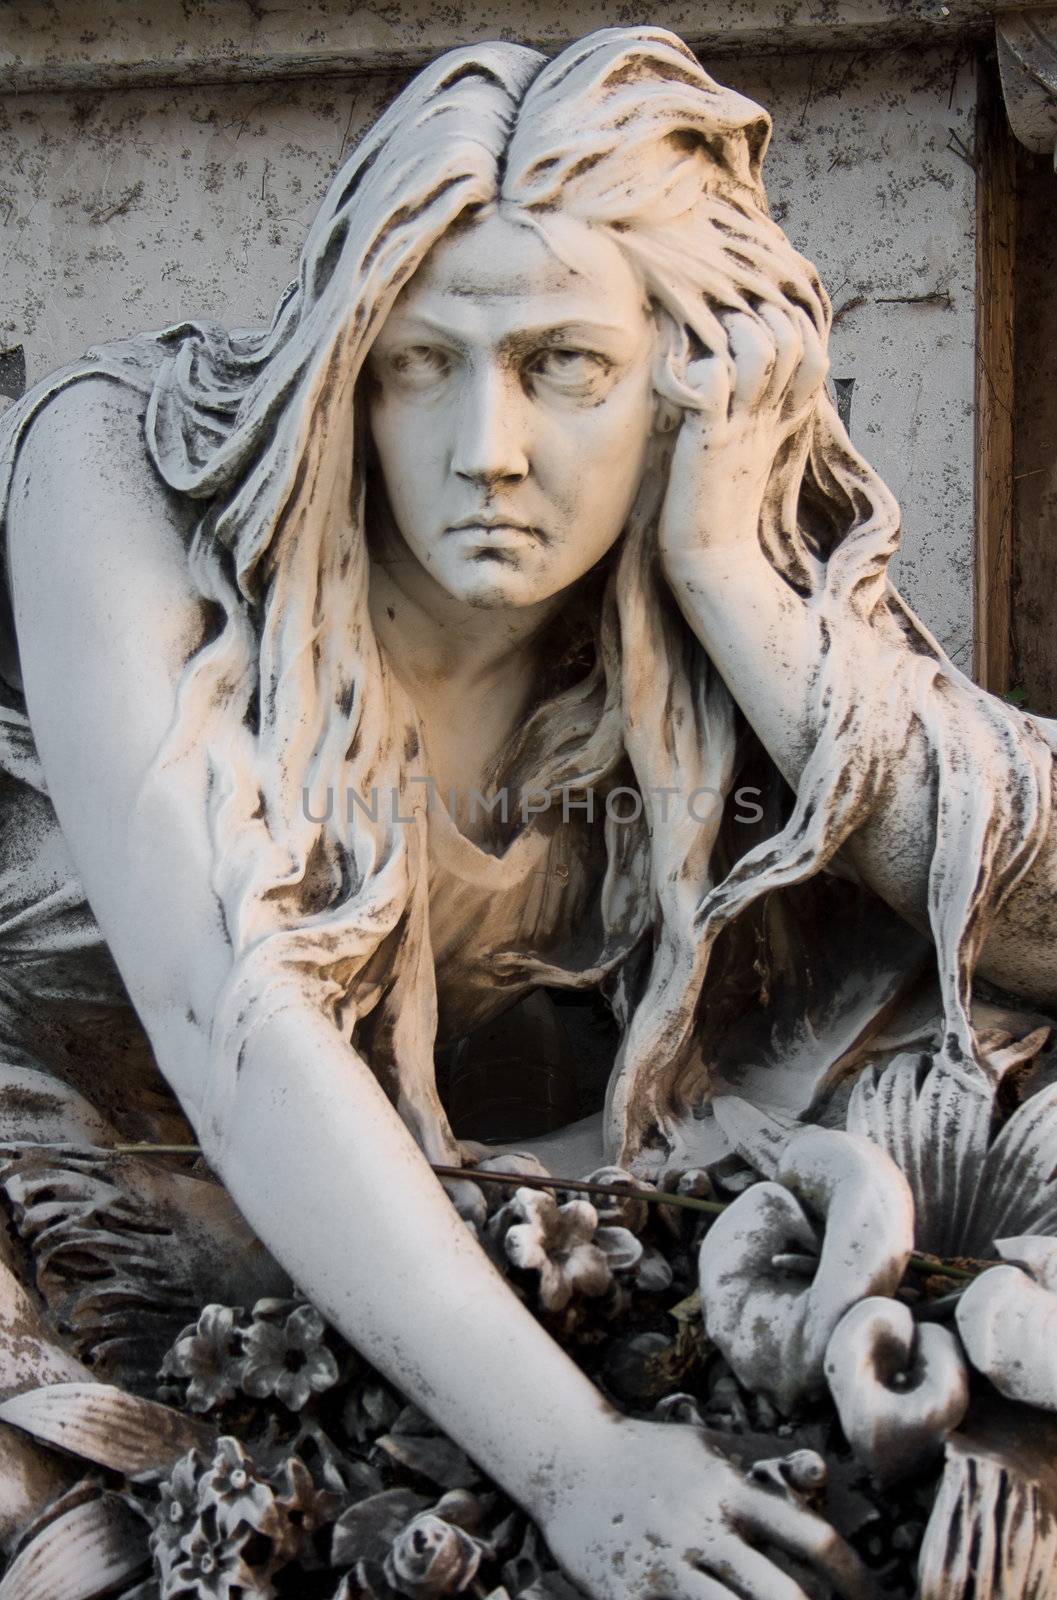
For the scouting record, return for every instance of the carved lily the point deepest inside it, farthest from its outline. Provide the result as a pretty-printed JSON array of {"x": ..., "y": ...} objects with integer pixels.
[
  {"x": 1008, "y": 1322},
  {"x": 781, "y": 1267},
  {"x": 970, "y": 1183},
  {"x": 899, "y": 1389}
]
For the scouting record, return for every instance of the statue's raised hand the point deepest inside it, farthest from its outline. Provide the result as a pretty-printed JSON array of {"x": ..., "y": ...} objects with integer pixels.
[
  {"x": 746, "y": 440},
  {"x": 665, "y": 1517}
]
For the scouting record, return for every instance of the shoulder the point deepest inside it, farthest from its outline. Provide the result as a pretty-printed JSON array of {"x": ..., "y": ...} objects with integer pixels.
[
  {"x": 88, "y": 432},
  {"x": 87, "y": 507}
]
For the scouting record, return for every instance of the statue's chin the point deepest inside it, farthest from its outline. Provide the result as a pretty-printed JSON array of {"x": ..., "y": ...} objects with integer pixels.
[{"x": 495, "y": 586}]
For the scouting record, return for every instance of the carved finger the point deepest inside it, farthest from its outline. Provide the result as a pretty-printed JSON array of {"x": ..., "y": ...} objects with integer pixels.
[
  {"x": 691, "y": 1585},
  {"x": 749, "y": 1574},
  {"x": 711, "y": 379},
  {"x": 753, "y": 347},
  {"x": 789, "y": 346},
  {"x": 805, "y": 1536},
  {"x": 811, "y": 370}
]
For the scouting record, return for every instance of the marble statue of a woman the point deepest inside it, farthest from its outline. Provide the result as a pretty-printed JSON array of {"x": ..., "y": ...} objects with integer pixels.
[{"x": 532, "y": 490}]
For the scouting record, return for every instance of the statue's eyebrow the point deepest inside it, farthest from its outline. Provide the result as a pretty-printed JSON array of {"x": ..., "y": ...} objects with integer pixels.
[{"x": 560, "y": 329}]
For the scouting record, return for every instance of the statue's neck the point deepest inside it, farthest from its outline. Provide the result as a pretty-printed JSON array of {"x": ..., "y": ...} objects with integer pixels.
[
  {"x": 471, "y": 674},
  {"x": 432, "y": 637}
]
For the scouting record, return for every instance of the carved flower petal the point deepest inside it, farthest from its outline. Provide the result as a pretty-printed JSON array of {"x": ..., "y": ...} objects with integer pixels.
[
  {"x": 1008, "y": 1325},
  {"x": 899, "y": 1389},
  {"x": 365, "y": 1531},
  {"x": 620, "y": 1247},
  {"x": 579, "y": 1219},
  {"x": 587, "y": 1271},
  {"x": 524, "y": 1246},
  {"x": 555, "y": 1286},
  {"x": 772, "y": 1315},
  {"x": 1035, "y": 1253},
  {"x": 654, "y": 1273}
]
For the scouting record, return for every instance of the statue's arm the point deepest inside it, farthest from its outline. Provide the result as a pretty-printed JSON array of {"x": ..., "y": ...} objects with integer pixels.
[
  {"x": 311, "y": 1149},
  {"x": 768, "y": 642}
]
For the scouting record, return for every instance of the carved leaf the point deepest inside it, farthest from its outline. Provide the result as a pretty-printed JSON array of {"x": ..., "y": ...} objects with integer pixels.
[
  {"x": 437, "y": 1459},
  {"x": 758, "y": 1138},
  {"x": 992, "y": 1534},
  {"x": 83, "y": 1553},
  {"x": 103, "y": 1424},
  {"x": 935, "y": 1123},
  {"x": 366, "y": 1531},
  {"x": 1018, "y": 1194}
]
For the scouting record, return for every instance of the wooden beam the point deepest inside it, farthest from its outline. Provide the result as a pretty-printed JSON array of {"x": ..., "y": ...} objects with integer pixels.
[
  {"x": 995, "y": 261},
  {"x": 1035, "y": 436},
  {"x": 74, "y": 45}
]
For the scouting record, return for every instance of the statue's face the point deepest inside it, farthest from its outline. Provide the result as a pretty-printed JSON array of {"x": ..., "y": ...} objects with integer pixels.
[{"x": 511, "y": 407}]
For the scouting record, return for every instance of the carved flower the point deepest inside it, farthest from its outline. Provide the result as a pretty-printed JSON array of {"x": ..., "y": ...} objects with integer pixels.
[
  {"x": 621, "y": 1210},
  {"x": 212, "y": 1514},
  {"x": 565, "y": 1245},
  {"x": 781, "y": 1267},
  {"x": 899, "y": 1388},
  {"x": 178, "y": 1510},
  {"x": 234, "y": 1489},
  {"x": 208, "y": 1355},
  {"x": 286, "y": 1357},
  {"x": 432, "y": 1557},
  {"x": 1007, "y": 1319},
  {"x": 211, "y": 1566}
]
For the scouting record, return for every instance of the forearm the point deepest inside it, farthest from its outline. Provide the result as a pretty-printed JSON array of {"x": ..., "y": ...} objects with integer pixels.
[
  {"x": 767, "y": 643},
  {"x": 762, "y": 639},
  {"x": 323, "y": 1169}
]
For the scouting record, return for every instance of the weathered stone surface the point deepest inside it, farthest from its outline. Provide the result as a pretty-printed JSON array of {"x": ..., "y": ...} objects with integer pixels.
[
  {"x": 116, "y": 207},
  {"x": 48, "y": 46}
]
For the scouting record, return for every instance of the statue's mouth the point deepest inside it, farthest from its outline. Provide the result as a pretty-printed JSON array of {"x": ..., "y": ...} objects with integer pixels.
[{"x": 489, "y": 527}]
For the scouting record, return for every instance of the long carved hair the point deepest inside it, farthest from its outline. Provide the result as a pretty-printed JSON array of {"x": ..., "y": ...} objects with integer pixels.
[{"x": 294, "y": 700}]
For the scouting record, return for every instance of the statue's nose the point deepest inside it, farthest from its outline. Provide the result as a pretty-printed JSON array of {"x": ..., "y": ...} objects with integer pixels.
[{"x": 491, "y": 438}]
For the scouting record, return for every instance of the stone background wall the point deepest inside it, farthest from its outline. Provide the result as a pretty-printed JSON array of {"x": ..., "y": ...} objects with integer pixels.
[{"x": 123, "y": 209}]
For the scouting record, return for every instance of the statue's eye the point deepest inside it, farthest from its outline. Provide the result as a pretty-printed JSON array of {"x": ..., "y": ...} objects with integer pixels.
[
  {"x": 571, "y": 371},
  {"x": 420, "y": 365}
]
